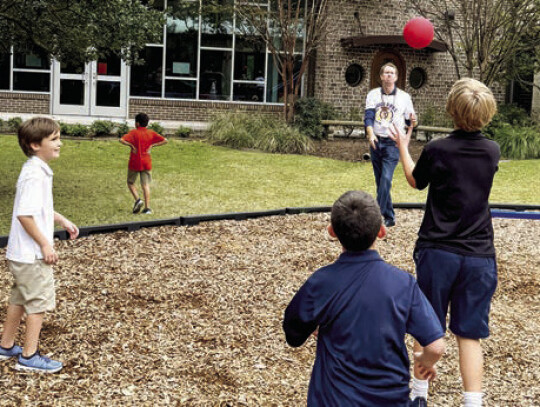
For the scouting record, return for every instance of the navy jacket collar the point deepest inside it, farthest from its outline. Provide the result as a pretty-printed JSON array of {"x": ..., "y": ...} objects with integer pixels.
[{"x": 357, "y": 257}]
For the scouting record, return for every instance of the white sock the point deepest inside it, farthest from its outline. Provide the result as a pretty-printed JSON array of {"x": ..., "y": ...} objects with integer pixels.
[
  {"x": 471, "y": 399},
  {"x": 419, "y": 388}
]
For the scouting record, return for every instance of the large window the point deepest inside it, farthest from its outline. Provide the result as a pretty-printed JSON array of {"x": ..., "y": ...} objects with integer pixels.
[
  {"x": 209, "y": 54},
  {"x": 25, "y": 71},
  {"x": 5, "y": 70}
]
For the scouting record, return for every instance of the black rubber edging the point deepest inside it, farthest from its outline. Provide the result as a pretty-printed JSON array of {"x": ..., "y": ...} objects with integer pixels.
[{"x": 196, "y": 219}]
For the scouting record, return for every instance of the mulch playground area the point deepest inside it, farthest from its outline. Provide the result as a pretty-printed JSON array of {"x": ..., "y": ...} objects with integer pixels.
[{"x": 191, "y": 316}]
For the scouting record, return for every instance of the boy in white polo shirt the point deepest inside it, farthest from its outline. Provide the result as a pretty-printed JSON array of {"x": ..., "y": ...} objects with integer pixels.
[{"x": 30, "y": 250}]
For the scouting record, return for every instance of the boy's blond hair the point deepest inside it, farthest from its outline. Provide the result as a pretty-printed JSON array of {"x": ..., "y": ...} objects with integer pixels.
[{"x": 471, "y": 104}]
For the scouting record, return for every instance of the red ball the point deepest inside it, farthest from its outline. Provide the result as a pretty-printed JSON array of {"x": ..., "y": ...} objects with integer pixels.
[{"x": 418, "y": 32}]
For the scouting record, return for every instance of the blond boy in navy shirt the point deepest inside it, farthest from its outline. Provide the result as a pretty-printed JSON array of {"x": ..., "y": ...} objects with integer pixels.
[
  {"x": 30, "y": 250},
  {"x": 455, "y": 254}
]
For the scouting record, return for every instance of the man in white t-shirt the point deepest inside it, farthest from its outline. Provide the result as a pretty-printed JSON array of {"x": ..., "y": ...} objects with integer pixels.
[{"x": 386, "y": 106}]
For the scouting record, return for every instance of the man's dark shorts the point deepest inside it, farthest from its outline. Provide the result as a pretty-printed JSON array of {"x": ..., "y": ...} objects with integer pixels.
[{"x": 466, "y": 283}]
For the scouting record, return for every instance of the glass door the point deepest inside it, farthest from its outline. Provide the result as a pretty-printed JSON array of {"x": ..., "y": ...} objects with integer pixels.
[
  {"x": 108, "y": 90},
  {"x": 71, "y": 88},
  {"x": 97, "y": 88}
]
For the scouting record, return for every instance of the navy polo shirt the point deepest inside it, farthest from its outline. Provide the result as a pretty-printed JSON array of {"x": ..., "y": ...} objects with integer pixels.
[
  {"x": 459, "y": 170},
  {"x": 363, "y": 308}
]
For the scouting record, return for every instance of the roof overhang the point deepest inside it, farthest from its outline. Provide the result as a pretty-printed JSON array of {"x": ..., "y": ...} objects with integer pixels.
[{"x": 366, "y": 40}]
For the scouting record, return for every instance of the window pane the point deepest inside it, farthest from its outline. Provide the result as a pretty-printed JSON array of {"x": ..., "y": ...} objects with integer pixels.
[
  {"x": 248, "y": 92},
  {"x": 108, "y": 94},
  {"x": 182, "y": 42},
  {"x": 109, "y": 65},
  {"x": 274, "y": 90},
  {"x": 4, "y": 71},
  {"x": 30, "y": 61},
  {"x": 217, "y": 26},
  {"x": 146, "y": 79},
  {"x": 248, "y": 59},
  {"x": 72, "y": 92},
  {"x": 175, "y": 88},
  {"x": 215, "y": 78},
  {"x": 31, "y": 81}
]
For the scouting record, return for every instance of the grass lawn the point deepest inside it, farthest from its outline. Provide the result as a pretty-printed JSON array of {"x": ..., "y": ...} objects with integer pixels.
[{"x": 191, "y": 177}]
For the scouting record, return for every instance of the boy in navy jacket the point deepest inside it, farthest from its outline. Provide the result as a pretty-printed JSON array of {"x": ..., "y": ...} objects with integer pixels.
[{"x": 362, "y": 308}]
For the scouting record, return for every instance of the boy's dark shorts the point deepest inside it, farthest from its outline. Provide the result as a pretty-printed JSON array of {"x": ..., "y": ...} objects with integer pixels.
[
  {"x": 466, "y": 283},
  {"x": 146, "y": 177}
]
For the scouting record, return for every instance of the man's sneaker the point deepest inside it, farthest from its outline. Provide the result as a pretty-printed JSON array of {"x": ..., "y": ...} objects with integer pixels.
[
  {"x": 38, "y": 363},
  {"x": 137, "y": 205},
  {"x": 147, "y": 211},
  {"x": 389, "y": 223},
  {"x": 8, "y": 353},
  {"x": 418, "y": 402}
]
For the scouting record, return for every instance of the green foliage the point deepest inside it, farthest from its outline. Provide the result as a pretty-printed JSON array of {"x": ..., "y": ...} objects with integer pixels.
[
  {"x": 182, "y": 132},
  {"x": 517, "y": 142},
  {"x": 102, "y": 128},
  {"x": 435, "y": 116},
  {"x": 74, "y": 130},
  {"x": 258, "y": 131},
  {"x": 121, "y": 129},
  {"x": 158, "y": 128},
  {"x": 53, "y": 28},
  {"x": 509, "y": 114},
  {"x": 14, "y": 123},
  {"x": 308, "y": 115}
]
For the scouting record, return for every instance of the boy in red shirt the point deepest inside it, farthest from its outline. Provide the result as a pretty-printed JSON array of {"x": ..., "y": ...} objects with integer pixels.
[{"x": 141, "y": 140}]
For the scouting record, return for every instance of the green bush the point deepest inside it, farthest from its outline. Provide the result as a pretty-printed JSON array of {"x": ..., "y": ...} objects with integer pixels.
[
  {"x": 2, "y": 124},
  {"x": 14, "y": 123},
  {"x": 121, "y": 129},
  {"x": 102, "y": 128},
  {"x": 308, "y": 115},
  {"x": 508, "y": 115},
  {"x": 435, "y": 116},
  {"x": 518, "y": 142},
  {"x": 75, "y": 130},
  {"x": 158, "y": 128},
  {"x": 182, "y": 132},
  {"x": 258, "y": 131}
]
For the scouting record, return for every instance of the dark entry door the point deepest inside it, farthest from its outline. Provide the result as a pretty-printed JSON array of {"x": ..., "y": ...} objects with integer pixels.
[{"x": 381, "y": 58}]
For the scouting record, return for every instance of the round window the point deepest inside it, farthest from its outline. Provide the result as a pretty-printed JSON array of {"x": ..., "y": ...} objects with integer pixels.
[
  {"x": 417, "y": 78},
  {"x": 354, "y": 75}
]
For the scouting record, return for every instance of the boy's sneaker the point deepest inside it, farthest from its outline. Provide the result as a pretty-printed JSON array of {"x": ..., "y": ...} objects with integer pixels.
[
  {"x": 418, "y": 402},
  {"x": 137, "y": 205},
  {"x": 147, "y": 211},
  {"x": 38, "y": 363},
  {"x": 8, "y": 353}
]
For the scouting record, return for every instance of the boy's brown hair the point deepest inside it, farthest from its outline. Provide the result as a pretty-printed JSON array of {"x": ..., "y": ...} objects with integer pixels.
[
  {"x": 34, "y": 131},
  {"x": 471, "y": 104},
  {"x": 356, "y": 220}
]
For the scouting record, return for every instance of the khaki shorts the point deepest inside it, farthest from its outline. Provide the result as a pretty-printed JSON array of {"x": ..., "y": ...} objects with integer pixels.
[
  {"x": 146, "y": 177},
  {"x": 33, "y": 287}
]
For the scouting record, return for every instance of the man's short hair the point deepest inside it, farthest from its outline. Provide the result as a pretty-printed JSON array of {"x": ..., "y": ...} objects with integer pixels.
[
  {"x": 389, "y": 65},
  {"x": 34, "y": 131},
  {"x": 142, "y": 119},
  {"x": 471, "y": 104},
  {"x": 356, "y": 220}
]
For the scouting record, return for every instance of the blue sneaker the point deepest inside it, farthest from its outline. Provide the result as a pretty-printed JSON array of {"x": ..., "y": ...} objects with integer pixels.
[
  {"x": 38, "y": 363},
  {"x": 6, "y": 354}
]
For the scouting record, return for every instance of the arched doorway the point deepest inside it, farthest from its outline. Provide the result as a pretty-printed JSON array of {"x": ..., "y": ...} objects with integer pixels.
[{"x": 381, "y": 58}]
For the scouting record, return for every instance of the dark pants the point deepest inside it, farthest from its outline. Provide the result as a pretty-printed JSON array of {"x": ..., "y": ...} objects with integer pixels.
[{"x": 384, "y": 160}]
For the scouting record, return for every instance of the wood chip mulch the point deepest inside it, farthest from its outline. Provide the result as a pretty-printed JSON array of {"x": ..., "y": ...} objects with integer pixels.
[{"x": 191, "y": 316}]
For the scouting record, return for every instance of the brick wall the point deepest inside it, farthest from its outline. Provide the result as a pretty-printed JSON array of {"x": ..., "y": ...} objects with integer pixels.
[
  {"x": 384, "y": 17},
  {"x": 24, "y": 103},
  {"x": 181, "y": 110}
]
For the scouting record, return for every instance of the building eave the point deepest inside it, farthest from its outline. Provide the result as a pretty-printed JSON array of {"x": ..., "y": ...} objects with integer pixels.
[{"x": 367, "y": 40}]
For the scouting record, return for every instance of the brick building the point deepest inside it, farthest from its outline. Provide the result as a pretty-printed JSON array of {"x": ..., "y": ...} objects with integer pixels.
[{"x": 200, "y": 69}]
